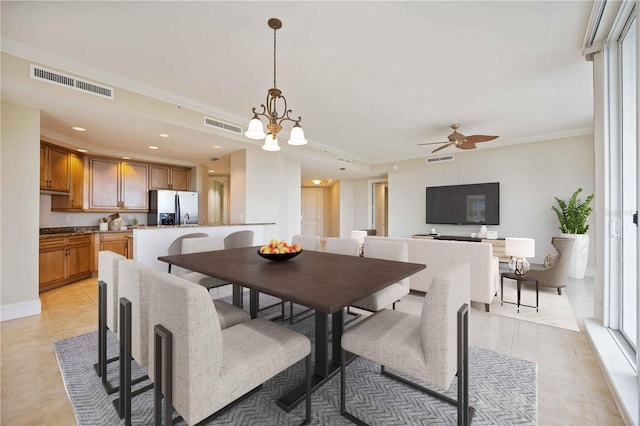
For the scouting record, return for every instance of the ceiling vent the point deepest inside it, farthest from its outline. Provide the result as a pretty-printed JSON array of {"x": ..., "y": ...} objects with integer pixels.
[
  {"x": 343, "y": 160},
  {"x": 55, "y": 77},
  {"x": 212, "y": 122},
  {"x": 440, "y": 159}
]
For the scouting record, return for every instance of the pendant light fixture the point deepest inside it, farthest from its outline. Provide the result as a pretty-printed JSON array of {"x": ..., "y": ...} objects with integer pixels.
[{"x": 270, "y": 112}]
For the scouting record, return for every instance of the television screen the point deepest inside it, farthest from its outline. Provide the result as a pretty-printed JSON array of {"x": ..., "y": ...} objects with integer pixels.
[{"x": 475, "y": 204}]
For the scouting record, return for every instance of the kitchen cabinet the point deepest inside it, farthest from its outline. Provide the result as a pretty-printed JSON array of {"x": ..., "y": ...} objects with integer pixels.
[
  {"x": 117, "y": 242},
  {"x": 63, "y": 260},
  {"x": 116, "y": 185},
  {"x": 169, "y": 177},
  {"x": 75, "y": 199},
  {"x": 54, "y": 168}
]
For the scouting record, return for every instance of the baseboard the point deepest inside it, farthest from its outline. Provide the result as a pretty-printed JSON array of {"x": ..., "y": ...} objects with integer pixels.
[
  {"x": 20, "y": 309},
  {"x": 619, "y": 374}
]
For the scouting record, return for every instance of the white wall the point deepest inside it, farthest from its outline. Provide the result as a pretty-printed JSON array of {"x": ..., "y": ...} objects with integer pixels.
[
  {"x": 347, "y": 191},
  {"x": 19, "y": 188},
  {"x": 530, "y": 175}
]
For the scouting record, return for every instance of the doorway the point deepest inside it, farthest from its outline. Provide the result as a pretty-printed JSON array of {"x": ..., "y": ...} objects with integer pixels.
[
  {"x": 379, "y": 202},
  {"x": 312, "y": 212},
  {"x": 217, "y": 200}
]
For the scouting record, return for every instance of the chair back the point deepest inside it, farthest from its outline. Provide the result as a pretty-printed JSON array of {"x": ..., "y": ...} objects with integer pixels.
[
  {"x": 239, "y": 239},
  {"x": 176, "y": 248},
  {"x": 108, "y": 273},
  {"x": 388, "y": 250},
  {"x": 307, "y": 242},
  {"x": 558, "y": 273},
  {"x": 187, "y": 312},
  {"x": 449, "y": 290},
  {"x": 347, "y": 246},
  {"x": 199, "y": 244},
  {"x": 135, "y": 289}
]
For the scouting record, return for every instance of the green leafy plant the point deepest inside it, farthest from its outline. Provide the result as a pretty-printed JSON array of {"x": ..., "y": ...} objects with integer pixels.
[{"x": 574, "y": 214}]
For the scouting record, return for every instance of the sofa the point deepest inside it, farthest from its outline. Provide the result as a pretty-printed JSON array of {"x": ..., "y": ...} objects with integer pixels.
[{"x": 439, "y": 255}]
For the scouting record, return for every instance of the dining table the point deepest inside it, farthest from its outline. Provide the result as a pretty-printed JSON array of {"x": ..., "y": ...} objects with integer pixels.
[{"x": 325, "y": 282}]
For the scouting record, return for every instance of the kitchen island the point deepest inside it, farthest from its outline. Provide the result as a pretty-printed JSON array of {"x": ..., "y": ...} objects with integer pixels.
[{"x": 150, "y": 242}]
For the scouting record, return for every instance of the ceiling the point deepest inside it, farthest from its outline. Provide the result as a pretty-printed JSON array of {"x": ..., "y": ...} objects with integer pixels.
[{"x": 371, "y": 80}]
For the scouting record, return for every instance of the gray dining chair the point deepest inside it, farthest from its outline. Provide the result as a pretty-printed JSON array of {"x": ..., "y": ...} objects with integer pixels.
[
  {"x": 198, "y": 368},
  {"x": 345, "y": 246},
  {"x": 107, "y": 311},
  {"x": 135, "y": 286},
  {"x": 176, "y": 248},
  {"x": 239, "y": 239},
  {"x": 201, "y": 244},
  {"x": 388, "y": 296},
  {"x": 432, "y": 348}
]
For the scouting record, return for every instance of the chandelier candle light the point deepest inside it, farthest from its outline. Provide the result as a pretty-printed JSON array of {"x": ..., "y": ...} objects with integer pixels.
[
  {"x": 519, "y": 249},
  {"x": 255, "y": 129}
]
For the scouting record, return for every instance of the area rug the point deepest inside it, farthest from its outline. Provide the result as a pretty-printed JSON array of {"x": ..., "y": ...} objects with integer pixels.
[
  {"x": 503, "y": 391},
  {"x": 553, "y": 310}
]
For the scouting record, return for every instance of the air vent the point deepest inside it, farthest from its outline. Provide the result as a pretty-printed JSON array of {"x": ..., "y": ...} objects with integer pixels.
[
  {"x": 440, "y": 159},
  {"x": 343, "y": 160},
  {"x": 50, "y": 76},
  {"x": 212, "y": 122}
]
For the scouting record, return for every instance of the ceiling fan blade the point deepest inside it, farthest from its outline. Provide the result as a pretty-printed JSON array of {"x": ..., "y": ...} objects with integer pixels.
[
  {"x": 480, "y": 138},
  {"x": 433, "y": 143},
  {"x": 466, "y": 145},
  {"x": 442, "y": 147}
]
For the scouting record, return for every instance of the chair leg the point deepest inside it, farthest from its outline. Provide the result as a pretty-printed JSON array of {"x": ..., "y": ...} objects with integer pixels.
[
  {"x": 101, "y": 365},
  {"x": 163, "y": 351},
  {"x": 487, "y": 307},
  {"x": 559, "y": 291},
  {"x": 307, "y": 419}
]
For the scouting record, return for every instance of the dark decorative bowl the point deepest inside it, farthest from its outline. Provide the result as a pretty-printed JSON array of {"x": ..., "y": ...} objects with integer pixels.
[{"x": 279, "y": 257}]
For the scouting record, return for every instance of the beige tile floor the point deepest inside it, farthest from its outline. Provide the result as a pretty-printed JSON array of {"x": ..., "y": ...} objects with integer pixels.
[{"x": 571, "y": 387}]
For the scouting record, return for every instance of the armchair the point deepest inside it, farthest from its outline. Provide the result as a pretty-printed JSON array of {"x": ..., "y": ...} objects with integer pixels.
[{"x": 555, "y": 275}]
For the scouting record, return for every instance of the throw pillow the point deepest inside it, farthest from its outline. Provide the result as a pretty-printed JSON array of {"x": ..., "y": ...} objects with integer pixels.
[{"x": 550, "y": 260}]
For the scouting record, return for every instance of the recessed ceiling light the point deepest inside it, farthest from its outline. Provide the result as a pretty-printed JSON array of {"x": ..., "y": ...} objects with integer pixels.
[
  {"x": 126, "y": 158},
  {"x": 79, "y": 129},
  {"x": 216, "y": 146},
  {"x": 153, "y": 147},
  {"x": 81, "y": 150},
  {"x": 212, "y": 171},
  {"x": 164, "y": 135}
]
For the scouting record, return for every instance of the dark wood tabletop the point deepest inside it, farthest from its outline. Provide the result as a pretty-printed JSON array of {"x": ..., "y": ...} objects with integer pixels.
[{"x": 322, "y": 281}]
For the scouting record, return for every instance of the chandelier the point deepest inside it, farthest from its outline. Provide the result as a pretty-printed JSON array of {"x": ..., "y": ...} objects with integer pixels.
[{"x": 270, "y": 112}]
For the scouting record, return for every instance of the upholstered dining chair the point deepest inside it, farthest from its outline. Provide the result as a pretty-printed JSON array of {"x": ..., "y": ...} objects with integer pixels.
[
  {"x": 176, "y": 248},
  {"x": 239, "y": 239},
  {"x": 200, "y": 244},
  {"x": 135, "y": 285},
  {"x": 555, "y": 272},
  {"x": 198, "y": 367},
  {"x": 388, "y": 296},
  {"x": 107, "y": 310},
  {"x": 431, "y": 348},
  {"x": 346, "y": 246}
]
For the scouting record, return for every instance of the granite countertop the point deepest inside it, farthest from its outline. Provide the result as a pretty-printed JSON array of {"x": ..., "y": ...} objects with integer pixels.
[{"x": 73, "y": 230}]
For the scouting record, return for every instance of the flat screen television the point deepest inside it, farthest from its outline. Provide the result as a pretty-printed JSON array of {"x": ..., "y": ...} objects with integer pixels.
[{"x": 474, "y": 204}]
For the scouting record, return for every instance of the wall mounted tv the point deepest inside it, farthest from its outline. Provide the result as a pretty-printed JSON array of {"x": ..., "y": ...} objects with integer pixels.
[{"x": 475, "y": 204}]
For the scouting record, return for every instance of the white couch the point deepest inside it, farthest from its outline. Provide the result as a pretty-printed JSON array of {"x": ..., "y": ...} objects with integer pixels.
[{"x": 439, "y": 255}]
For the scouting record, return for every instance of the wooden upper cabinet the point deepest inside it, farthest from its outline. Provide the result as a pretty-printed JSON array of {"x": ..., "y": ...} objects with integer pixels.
[
  {"x": 168, "y": 177},
  {"x": 73, "y": 201},
  {"x": 54, "y": 168},
  {"x": 118, "y": 185}
]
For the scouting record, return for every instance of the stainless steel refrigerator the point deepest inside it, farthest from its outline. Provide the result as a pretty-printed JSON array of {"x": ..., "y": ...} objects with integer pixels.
[{"x": 168, "y": 207}]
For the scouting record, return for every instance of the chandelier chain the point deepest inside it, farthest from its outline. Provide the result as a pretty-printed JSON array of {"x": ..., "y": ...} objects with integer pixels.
[{"x": 274, "y": 57}]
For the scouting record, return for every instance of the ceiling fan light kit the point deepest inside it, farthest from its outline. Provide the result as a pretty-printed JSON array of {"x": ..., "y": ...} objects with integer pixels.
[
  {"x": 460, "y": 141},
  {"x": 255, "y": 130}
]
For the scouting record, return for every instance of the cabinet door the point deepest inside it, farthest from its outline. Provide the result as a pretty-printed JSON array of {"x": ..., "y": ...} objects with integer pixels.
[
  {"x": 44, "y": 179},
  {"x": 104, "y": 183},
  {"x": 58, "y": 169},
  {"x": 159, "y": 177},
  {"x": 73, "y": 201},
  {"x": 135, "y": 187},
  {"x": 78, "y": 256},
  {"x": 180, "y": 179},
  {"x": 52, "y": 258}
]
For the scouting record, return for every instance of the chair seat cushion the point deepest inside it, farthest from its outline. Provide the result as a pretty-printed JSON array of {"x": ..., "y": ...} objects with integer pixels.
[
  {"x": 204, "y": 280},
  {"x": 383, "y": 298},
  {"x": 229, "y": 315},
  {"x": 255, "y": 351},
  {"x": 390, "y": 338}
]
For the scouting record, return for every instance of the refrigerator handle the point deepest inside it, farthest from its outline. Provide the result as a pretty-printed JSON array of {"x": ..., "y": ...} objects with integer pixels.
[{"x": 178, "y": 217}]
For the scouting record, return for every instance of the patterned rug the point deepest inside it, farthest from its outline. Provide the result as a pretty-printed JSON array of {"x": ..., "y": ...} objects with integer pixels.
[{"x": 503, "y": 391}]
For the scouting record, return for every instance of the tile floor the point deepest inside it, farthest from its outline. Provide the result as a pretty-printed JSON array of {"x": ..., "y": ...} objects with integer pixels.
[{"x": 571, "y": 387}]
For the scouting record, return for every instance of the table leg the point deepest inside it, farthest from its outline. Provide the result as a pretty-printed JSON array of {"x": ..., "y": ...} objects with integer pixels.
[
  {"x": 518, "y": 287},
  {"x": 237, "y": 295},
  {"x": 536, "y": 295},
  {"x": 501, "y": 291},
  {"x": 324, "y": 368},
  {"x": 254, "y": 298}
]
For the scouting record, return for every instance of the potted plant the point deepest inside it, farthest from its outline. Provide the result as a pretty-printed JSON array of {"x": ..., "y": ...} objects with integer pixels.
[{"x": 573, "y": 224}]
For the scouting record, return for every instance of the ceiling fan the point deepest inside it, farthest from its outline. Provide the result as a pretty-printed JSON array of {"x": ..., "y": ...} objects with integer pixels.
[{"x": 460, "y": 141}]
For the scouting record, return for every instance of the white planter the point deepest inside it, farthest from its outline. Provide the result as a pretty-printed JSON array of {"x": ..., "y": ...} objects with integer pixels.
[{"x": 579, "y": 256}]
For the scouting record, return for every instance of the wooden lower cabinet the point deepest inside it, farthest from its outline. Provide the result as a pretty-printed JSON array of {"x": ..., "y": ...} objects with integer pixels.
[
  {"x": 64, "y": 260},
  {"x": 116, "y": 242}
]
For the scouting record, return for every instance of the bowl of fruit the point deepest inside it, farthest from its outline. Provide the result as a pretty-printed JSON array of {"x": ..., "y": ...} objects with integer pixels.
[{"x": 279, "y": 250}]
